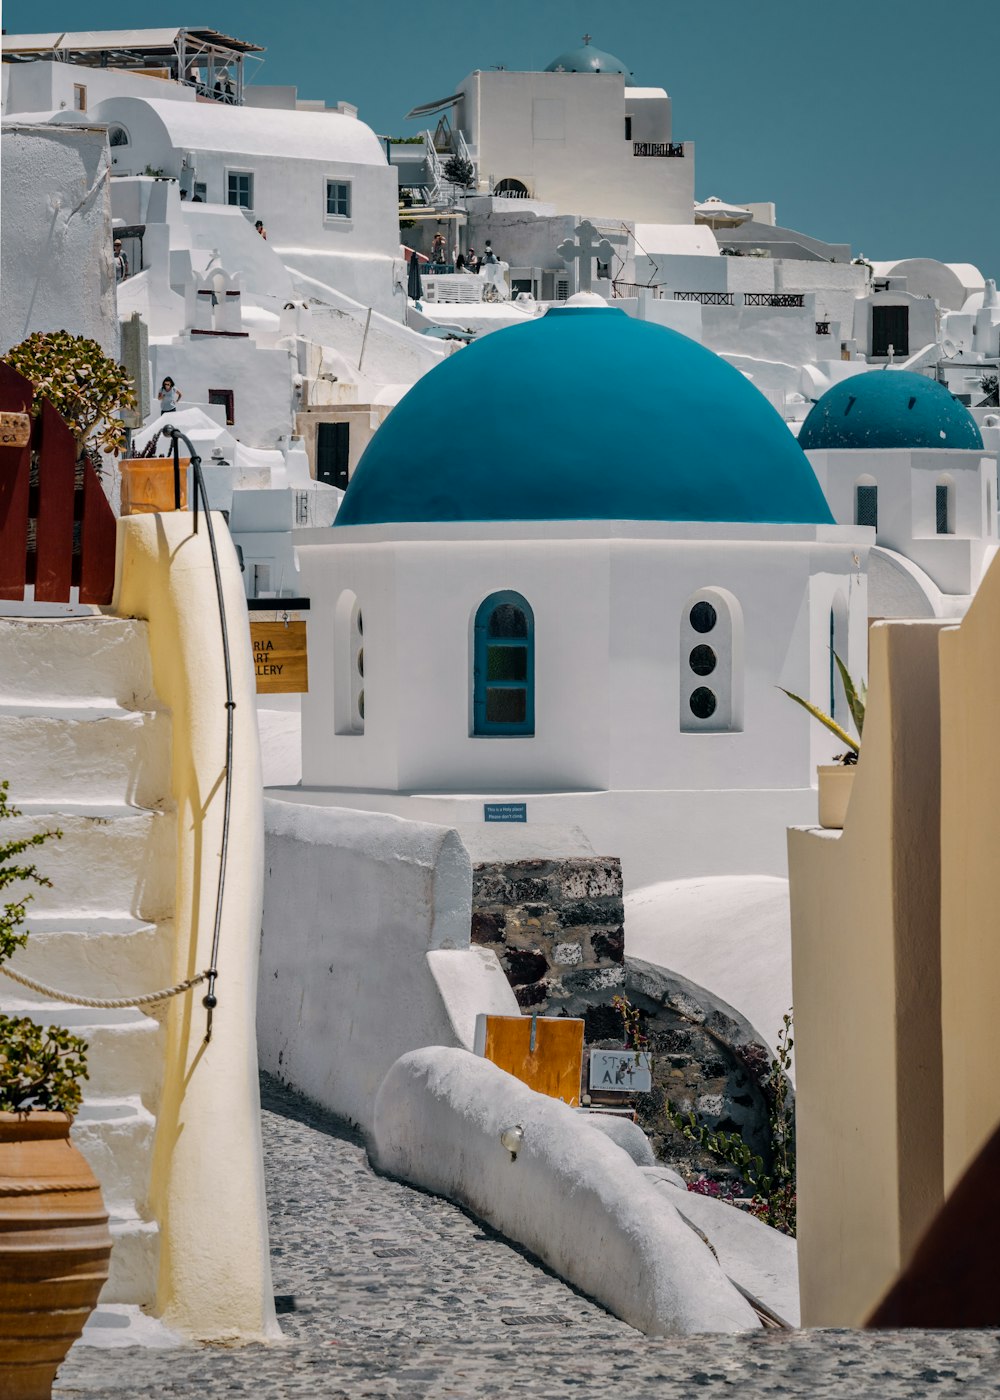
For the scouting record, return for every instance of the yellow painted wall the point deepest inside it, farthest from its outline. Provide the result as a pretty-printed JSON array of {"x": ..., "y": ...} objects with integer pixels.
[
  {"x": 207, "y": 1188},
  {"x": 865, "y": 972},
  {"x": 970, "y": 878}
]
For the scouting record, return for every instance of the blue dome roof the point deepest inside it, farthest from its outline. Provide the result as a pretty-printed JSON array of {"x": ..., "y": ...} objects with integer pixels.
[
  {"x": 589, "y": 60},
  {"x": 583, "y": 414},
  {"x": 889, "y": 408}
]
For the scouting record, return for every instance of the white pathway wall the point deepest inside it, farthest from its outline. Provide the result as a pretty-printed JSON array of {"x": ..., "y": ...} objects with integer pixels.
[
  {"x": 572, "y": 1197},
  {"x": 56, "y": 267},
  {"x": 365, "y": 951}
]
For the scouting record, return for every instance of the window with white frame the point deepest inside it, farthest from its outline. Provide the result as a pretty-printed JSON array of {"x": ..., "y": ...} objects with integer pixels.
[
  {"x": 338, "y": 199},
  {"x": 711, "y": 669},
  {"x": 239, "y": 188}
]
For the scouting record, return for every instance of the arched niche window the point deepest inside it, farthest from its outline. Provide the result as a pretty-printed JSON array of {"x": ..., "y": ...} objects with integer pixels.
[
  {"x": 944, "y": 505},
  {"x": 711, "y": 663},
  {"x": 118, "y": 136},
  {"x": 866, "y": 501},
  {"x": 513, "y": 189},
  {"x": 349, "y": 665},
  {"x": 504, "y": 666}
]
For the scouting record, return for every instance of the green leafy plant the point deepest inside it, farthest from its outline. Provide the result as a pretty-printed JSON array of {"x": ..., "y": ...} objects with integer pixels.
[
  {"x": 772, "y": 1192},
  {"x": 857, "y": 702},
  {"x": 633, "y": 1033},
  {"x": 40, "y": 1068},
  {"x": 82, "y": 384},
  {"x": 459, "y": 171}
]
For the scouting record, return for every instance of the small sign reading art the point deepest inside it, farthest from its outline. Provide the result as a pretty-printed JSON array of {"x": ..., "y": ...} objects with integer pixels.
[
  {"x": 505, "y": 811},
  {"x": 15, "y": 429},
  {"x": 621, "y": 1071},
  {"x": 279, "y": 657}
]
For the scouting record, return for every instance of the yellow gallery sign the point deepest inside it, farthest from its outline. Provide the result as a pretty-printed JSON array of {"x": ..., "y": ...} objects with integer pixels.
[{"x": 279, "y": 657}]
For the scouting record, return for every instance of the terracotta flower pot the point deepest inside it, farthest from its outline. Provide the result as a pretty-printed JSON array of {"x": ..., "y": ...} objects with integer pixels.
[
  {"x": 148, "y": 484},
  {"x": 54, "y": 1250},
  {"x": 836, "y": 781}
]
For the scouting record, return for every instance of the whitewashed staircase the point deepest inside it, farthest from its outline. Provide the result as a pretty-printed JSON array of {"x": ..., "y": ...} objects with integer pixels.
[{"x": 86, "y": 748}]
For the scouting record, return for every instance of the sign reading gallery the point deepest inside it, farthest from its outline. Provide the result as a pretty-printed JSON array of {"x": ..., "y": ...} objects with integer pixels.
[{"x": 279, "y": 657}]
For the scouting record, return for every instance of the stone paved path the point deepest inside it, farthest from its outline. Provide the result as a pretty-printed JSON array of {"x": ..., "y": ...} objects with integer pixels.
[{"x": 387, "y": 1293}]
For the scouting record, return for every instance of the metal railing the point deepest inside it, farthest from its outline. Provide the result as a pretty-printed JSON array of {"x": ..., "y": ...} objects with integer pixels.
[
  {"x": 632, "y": 289},
  {"x": 785, "y": 299},
  {"x": 657, "y": 148},
  {"x": 822, "y": 327},
  {"x": 210, "y": 1000},
  {"x": 706, "y": 298}
]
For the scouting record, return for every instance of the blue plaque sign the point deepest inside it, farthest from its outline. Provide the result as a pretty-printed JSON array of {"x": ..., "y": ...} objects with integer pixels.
[{"x": 505, "y": 811}]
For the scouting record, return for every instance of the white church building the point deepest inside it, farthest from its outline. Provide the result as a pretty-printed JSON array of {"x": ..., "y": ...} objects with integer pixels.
[{"x": 567, "y": 579}]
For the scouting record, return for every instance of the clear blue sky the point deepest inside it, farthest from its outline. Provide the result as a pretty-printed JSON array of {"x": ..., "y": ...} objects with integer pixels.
[{"x": 866, "y": 121}]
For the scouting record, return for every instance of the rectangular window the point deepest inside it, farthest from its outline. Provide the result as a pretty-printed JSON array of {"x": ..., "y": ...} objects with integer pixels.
[
  {"x": 333, "y": 448},
  {"x": 338, "y": 199},
  {"x": 79, "y": 97},
  {"x": 628, "y": 128},
  {"x": 239, "y": 188},
  {"x": 506, "y": 706},
  {"x": 225, "y": 399},
  {"x": 262, "y": 581},
  {"x": 866, "y": 506},
  {"x": 942, "y": 502},
  {"x": 890, "y": 326}
]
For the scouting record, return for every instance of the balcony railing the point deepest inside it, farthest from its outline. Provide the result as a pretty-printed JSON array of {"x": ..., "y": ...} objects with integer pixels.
[
  {"x": 773, "y": 299},
  {"x": 706, "y": 298},
  {"x": 632, "y": 289},
  {"x": 657, "y": 148}
]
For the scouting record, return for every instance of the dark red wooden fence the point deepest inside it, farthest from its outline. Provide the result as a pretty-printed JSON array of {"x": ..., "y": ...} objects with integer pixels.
[{"x": 57, "y": 529}]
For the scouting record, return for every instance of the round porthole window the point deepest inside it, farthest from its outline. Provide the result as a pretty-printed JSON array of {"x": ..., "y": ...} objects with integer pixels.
[
  {"x": 703, "y": 703},
  {"x": 361, "y": 625},
  {"x": 361, "y": 663},
  {"x": 702, "y": 660},
  {"x": 361, "y": 704},
  {"x": 703, "y": 617}
]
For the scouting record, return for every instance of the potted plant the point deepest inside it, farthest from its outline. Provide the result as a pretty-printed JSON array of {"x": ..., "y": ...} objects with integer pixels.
[
  {"x": 54, "y": 1239},
  {"x": 88, "y": 389},
  {"x": 836, "y": 780}
]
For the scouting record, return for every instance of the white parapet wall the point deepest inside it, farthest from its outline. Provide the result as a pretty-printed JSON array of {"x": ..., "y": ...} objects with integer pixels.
[
  {"x": 573, "y": 1197},
  {"x": 207, "y": 1189},
  {"x": 365, "y": 951}
]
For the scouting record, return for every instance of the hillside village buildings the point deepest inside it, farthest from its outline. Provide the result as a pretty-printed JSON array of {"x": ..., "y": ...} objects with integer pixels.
[{"x": 561, "y": 535}]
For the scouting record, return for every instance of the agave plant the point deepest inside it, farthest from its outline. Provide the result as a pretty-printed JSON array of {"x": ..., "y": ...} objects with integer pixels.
[{"x": 857, "y": 700}]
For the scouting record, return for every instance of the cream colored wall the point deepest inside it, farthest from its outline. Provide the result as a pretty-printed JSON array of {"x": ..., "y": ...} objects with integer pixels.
[
  {"x": 865, "y": 972},
  {"x": 207, "y": 1189},
  {"x": 970, "y": 852}
]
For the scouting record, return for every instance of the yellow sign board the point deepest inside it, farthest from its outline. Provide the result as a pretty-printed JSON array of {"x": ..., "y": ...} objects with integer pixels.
[
  {"x": 544, "y": 1052},
  {"x": 279, "y": 657}
]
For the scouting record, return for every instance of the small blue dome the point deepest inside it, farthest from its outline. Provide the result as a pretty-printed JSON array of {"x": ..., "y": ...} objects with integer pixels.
[
  {"x": 589, "y": 60},
  {"x": 889, "y": 408},
  {"x": 583, "y": 414}
]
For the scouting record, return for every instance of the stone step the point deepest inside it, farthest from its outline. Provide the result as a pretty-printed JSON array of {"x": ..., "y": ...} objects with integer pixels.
[
  {"x": 135, "y": 1261},
  {"x": 66, "y": 658},
  {"x": 124, "y": 1047},
  {"x": 112, "y": 859},
  {"x": 96, "y": 753},
  {"x": 93, "y": 956},
  {"x": 116, "y": 1137}
]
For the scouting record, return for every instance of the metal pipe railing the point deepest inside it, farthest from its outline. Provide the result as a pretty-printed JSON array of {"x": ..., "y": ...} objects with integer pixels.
[{"x": 210, "y": 1000}]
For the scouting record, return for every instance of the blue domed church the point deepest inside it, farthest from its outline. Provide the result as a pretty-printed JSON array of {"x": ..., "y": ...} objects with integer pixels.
[
  {"x": 897, "y": 452},
  {"x": 567, "y": 578}
]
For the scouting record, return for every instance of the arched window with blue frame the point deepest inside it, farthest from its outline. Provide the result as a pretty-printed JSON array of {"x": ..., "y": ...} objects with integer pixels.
[{"x": 504, "y": 666}]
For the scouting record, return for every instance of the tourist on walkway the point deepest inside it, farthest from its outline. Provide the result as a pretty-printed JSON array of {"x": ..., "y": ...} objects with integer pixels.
[
  {"x": 169, "y": 396},
  {"x": 472, "y": 261},
  {"x": 438, "y": 255},
  {"x": 121, "y": 262}
]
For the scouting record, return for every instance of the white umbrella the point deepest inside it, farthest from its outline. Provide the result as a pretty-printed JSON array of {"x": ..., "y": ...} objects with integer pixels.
[{"x": 718, "y": 214}]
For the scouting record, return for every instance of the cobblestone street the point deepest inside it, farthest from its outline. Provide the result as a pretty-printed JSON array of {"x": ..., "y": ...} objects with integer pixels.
[{"x": 386, "y": 1292}]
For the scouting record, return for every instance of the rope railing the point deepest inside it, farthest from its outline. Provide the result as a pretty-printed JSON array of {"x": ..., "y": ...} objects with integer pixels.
[
  {"x": 104, "y": 1003},
  {"x": 210, "y": 1000}
]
